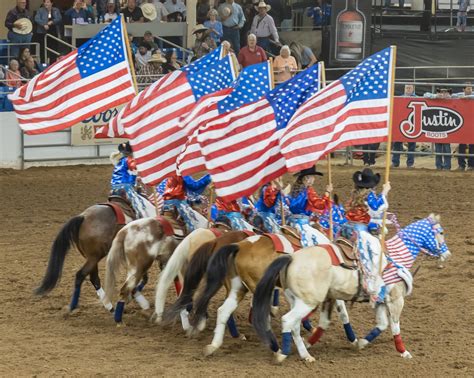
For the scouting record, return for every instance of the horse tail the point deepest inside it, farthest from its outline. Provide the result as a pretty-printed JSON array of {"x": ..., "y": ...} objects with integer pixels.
[
  {"x": 196, "y": 270},
  {"x": 216, "y": 273},
  {"x": 68, "y": 235},
  {"x": 171, "y": 270},
  {"x": 262, "y": 299},
  {"x": 115, "y": 258}
]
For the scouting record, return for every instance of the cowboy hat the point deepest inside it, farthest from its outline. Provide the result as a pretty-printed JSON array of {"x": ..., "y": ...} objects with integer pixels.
[
  {"x": 366, "y": 179},
  {"x": 26, "y": 28},
  {"x": 224, "y": 10},
  {"x": 125, "y": 148},
  {"x": 149, "y": 11},
  {"x": 262, "y": 4},
  {"x": 200, "y": 28},
  {"x": 157, "y": 57},
  {"x": 308, "y": 172}
]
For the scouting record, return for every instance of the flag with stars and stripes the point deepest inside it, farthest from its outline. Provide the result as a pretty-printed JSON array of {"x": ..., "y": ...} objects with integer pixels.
[
  {"x": 252, "y": 84},
  {"x": 151, "y": 122},
  {"x": 241, "y": 147},
  {"x": 87, "y": 81},
  {"x": 352, "y": 110}
]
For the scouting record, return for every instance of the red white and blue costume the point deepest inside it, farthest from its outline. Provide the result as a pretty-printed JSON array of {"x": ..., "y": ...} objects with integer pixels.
[
  {"x": 338, "y": 219},
  {"x": 233, "y": 212},
  {"x": 267, "y": 207}
]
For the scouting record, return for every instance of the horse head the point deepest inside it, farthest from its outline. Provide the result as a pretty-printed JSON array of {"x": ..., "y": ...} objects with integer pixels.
[{"x": 434, "y": 240}]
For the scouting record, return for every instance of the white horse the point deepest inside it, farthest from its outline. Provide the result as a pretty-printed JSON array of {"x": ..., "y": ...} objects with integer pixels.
[{"x": 309, "y": 278}]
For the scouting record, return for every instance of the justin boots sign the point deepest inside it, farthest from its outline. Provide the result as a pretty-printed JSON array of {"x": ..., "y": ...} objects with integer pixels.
[{"x": 439, "y": 121}]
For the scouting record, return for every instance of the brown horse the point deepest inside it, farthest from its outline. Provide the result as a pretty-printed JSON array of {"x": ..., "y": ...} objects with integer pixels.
[{"x": 92, "y": 232}]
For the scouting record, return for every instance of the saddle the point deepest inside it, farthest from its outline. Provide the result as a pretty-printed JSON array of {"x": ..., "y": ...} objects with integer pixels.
[
  {"x": 173, "y": 224},
  {"x": 293, "y": 236},
  {"x": 121, "y": 208},
  {"x": 342, "y": 253}
]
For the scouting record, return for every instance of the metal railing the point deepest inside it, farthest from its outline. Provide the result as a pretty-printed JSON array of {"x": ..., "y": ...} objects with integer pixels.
[
  {"x": 9, "y": 45},
  {"x": 56, "y": 39}
]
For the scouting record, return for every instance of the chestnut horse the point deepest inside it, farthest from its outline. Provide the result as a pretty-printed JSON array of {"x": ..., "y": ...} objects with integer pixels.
[{"x": 92, "y": 232}]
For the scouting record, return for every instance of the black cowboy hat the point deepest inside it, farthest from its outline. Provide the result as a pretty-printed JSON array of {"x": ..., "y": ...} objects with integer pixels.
[
  {"x": 308, "y": 172},
  {"x": 125, "y": 148},
  {"x": 366, "y": 179}
]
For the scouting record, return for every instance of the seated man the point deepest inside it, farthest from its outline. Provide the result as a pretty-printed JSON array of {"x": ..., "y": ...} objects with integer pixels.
[
  {"x": 150, "y": 72},
  {"x": 132, "y": 13}
]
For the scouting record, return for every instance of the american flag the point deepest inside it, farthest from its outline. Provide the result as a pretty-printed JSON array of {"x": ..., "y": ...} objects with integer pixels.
[
  {"x": 350, "y": 111},
  {"x": 401, "y": 255},
  {"x": 241, "y": 148},
  {"x": 253, "y": 83},
  {"x": 89, "y": 80},
  {"x": 115, "y": 128}
]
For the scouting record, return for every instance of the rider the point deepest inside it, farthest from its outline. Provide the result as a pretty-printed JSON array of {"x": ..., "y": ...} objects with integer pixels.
[
  {"x": 176, "y": 191},
  {"x": 364, "y": 214},
  {"x": 303, "y": 202},
  {"x": 267, "y": 205},
  {"x": 232, "y": 211}
]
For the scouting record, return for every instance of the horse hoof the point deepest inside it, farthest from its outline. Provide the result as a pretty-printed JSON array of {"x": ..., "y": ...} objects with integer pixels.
[
  {"x": 362, "y": 343},
  {"x": 309, "y": 359},
  {"x": 121, "y": 325},
  {"x": 209, "y": 350},
  {"x": 242, "y": 337},
  {"x": 274, "y": 311},
  {"x": 407, "y": 355},
  {"x": 155, "y": 318},
  {"x": 279, "y": 357},
  {"x": 355, "y": 343}
]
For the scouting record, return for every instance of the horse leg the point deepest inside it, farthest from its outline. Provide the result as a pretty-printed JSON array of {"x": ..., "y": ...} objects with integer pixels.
[
  {"x": 291, "y": 322},
  {"x": 138, "y": 296},
  {"x": 80, "y": 276},
  {"x": 324, "y": 322},
  {"x": 224, "y": 313},
  {"x": 344, "y": 317},
  {"x": 382, "y": 324},
  {"x": 395, "y": 308},
  {"x": 275, "y": 302},
  {"x": 95, "y": 281},
  {"x": 125, "y": 293}
]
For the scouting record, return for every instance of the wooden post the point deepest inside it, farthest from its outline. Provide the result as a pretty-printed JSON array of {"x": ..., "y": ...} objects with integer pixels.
[
  {"x": 211, "y": 200},
  {"x": 393, "y": 56},
  {"x": 129, "y": 54}
]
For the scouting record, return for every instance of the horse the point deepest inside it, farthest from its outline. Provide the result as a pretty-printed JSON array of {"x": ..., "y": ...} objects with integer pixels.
[
  {"x": 92, "y": 232},
  {"x": 241, "y": 265},
  {"x": 309, "y": 277}
]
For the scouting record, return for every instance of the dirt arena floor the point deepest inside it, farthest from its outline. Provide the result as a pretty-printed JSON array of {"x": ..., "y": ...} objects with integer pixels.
[{"x": 37, "y": 339}]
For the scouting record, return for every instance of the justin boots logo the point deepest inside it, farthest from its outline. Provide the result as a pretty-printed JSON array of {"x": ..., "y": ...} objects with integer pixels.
[{"x": 435, "y": 121}]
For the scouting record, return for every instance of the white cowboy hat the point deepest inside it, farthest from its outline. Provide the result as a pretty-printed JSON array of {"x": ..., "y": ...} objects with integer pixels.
[
  {"x": 262, "y": 4},
  {"x": 26, "y": 28},
  {"x": 225, "y": 10},
  {"x": 199, "y": 29},
  {"x": 149, "y": 11},
  {"x": 157, "y": 57}
]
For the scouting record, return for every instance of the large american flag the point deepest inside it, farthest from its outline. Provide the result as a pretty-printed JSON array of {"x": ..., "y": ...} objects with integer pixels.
[
  {"x": 89, "y": 80},
  {"x": 253, "y": 83},
  {"x": 350, "y": 111},
  {"x": 241, "y": 148},
  {"x": 151, "y": 121}
]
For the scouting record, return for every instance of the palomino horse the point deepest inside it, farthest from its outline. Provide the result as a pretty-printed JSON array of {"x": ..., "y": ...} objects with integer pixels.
[
  {"x": 242, "y": 265},
  {"x": 138, "y": 245},
  {"x": 309, "y": 277},
  {"x": 92, "y": 233}
]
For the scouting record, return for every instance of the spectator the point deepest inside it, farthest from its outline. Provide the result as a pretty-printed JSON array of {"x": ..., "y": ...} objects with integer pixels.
[
  {"x": 250, "y": 12},
  {"x": 321, "y": 14},
  {"x": 143, "y": 55},
  {"x": 464, "y": 6},
  {"x": 149, "y": 40},
  {"x": 303, "y": 54},
  {"x": 132, "y": 13},
  {"x": 13, "y": 75},
  {"x": 101, "y": 7},
  {"x": 29, "y": 71},
  {"x": 48, "y": 20},
  {"x": 369, "y": 157},
  {"x": 150, "y": 72},
  {"x": 91, "y": 12},
  {"x": 77, "y": 14},
  {"x": 171, "y": 62},
  {"x": 173, "y": 6},
  {"x": 161, "y": 11},
  {"x": 233, "y": 19},
  {"x": 284, "y": 65},
  {"x": 214, "y": 26},
  {"x": 252, "y": 53},
  {"x": 398, "y": 146},
  {"x": 204, "y": 43},
  {"x": 132, "y": 44},
  {"x": 19, "y": 29},
  {"x": 387, "y": 3},
  {"x": 24, "y": 55},
  {"x": 467, "y": 94},
  {"x": 111, "y": 12},
  {"x": 202, "y": 11},
  {"x": 264, "y": 27}
]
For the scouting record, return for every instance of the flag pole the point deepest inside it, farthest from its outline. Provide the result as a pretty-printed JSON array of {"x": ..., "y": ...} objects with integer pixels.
[
  {"x": 211, "y": 199},
  {"x": 393, "y": 53},
  {"x": 129, "y": 54},
  {"x": 155, "y": 196}
]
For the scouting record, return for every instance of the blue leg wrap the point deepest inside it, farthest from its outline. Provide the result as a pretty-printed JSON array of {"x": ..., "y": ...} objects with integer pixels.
[
  {"x": 276, "y": 297},
  {"x": 373, "y": 334},
  {"x": 75, "y": 298},
  {"x": 232, "y": 327},
  {"x": 274, "y": 346},
  {"x": 119, "y": 311},
  {"x": 349, "y": 332},
  {"x": 140, "y": 286},
  {"x": 286, "y": 343},
  {"x": 189, "y": 307},
  {"x": 307, "y": 325}
]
